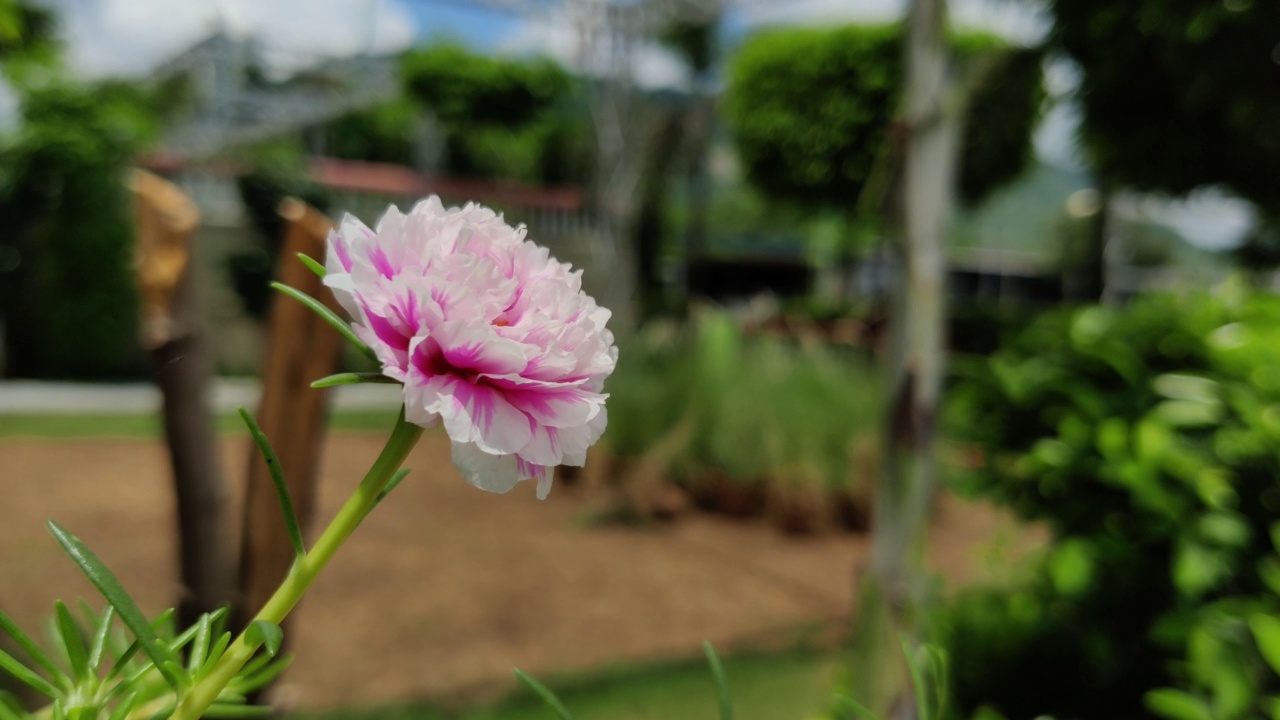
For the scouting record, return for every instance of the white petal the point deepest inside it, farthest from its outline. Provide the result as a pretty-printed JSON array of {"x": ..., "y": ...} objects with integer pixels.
[
  {"x": 344, "y": 290},
  {"x": 415, "y": 410},
  {"x": 544, "y": 483},
  {"x": 495, "y": 473}
]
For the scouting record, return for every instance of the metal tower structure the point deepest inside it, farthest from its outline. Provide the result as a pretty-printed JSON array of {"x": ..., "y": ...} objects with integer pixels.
[{"x": 234, "y": 103}]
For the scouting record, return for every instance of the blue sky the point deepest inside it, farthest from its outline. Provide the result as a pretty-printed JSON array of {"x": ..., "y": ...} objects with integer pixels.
[
  {"x": 485, "y": 27},
  {"x": 480, "y": 27}
]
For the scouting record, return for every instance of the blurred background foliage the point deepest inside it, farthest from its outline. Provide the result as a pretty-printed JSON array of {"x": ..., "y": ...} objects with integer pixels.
[
  {"x": 747, "y": 423},
  {"x": 1203, "y": 110},
  {"x": 262, "y": 190},
  {"x": 1145, "y": 439},
  {"x": 1207, "y": 71},
  {"x": 68, "y": 299},
  {"x": 812, "y": 111}
]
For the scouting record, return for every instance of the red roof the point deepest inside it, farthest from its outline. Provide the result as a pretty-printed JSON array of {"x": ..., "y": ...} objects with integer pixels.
[
  {"x": 398, "y": 180},
  {"x": 387, "y": 179}
]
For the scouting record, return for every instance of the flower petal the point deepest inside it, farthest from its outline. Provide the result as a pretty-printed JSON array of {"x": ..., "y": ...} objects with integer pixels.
[
  {"x": 478, "y": 350},
  {"x": 475, "y": 413},
  {"x": 542, "y": 473},
  {"x": 495, "y": 473},
  {"x": 564, "y": 446}
]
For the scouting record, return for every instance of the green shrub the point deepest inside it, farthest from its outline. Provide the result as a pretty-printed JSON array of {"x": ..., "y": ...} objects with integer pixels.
[
  {"x": 1232, "y": 662},
  {"x": 755, "y": 409},
  {"x": 67, "y": 293},
  {"x": 1148, "y": 440}
]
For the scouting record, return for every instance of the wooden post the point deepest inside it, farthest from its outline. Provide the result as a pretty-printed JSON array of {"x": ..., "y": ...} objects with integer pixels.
[
  {"x": 301, "y": 348},
  {"x": 173, "y": 333}
]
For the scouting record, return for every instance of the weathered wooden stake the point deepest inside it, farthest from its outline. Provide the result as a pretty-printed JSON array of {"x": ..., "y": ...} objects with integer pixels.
[
  {"x": 173, "y": 333},
  {"x": 300, "y": 348}
]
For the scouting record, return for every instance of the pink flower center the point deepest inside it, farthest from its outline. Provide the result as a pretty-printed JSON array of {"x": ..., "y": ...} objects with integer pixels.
[{"x": 435, "y": 364}]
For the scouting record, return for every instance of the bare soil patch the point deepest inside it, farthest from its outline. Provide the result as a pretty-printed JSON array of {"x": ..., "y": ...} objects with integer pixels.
[{"x": 446, "y": 588}]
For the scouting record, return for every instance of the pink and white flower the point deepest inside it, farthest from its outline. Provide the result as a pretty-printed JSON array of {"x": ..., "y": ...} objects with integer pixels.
[{"x": 489, "y": 334}]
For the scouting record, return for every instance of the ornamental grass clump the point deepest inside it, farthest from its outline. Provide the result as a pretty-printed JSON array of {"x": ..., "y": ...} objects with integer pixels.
[{"x": 759, "y": 412}]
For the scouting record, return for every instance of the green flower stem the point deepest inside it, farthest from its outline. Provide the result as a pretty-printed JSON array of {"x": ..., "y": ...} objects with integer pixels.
[{"x": 405, "y": 435}]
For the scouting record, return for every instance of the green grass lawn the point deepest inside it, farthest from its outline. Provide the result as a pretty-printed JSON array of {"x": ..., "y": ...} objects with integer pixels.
[
  {"x": 793, "y": 685},
  {"x": 149, "y": 424}
]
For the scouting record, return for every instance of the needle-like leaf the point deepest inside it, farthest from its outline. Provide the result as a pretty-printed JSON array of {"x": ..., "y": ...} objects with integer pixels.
[
  {"x": 393, "y": 482},
  {"x": 722, "y": 682},
  {"x": 277, "y": 479},
  {"x": 847, "y": 708},
  {"x": 200, "y": 646},
  {"x": 313, "y": 265},
  {"x": 115, "y": 594},
  {"x": 124, "y": 708},
  {"x": 10, "y": 709},
  {"x": 11, "y": 629},
  {"x": 215, "y": 654},
  {"x": 263, "y": 675},
  {"x": 352, "y": 378},
  {"x": 25, "y": 675},
  {"x": 72, "y": 640},
  {"x": 545, "y": 693},
  {"x": 328, "y": 316}
]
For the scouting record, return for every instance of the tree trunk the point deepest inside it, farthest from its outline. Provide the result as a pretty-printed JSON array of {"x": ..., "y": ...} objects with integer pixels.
[
  {"x": 173, "y": 332},
  {"x": 1093, "y": 270},
  {"x": 892, "y": 589},
  {"x": 207, "y": 563},
  {"x": 301, "y": 348},
  {"x": 701, "y": 126},
  {"x": 650, "y": 221}
]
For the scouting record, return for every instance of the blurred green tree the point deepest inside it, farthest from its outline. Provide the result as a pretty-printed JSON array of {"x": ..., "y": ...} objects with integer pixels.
[
  {"x": 67, "y": 299},
  {"x": 27, "y": 39},
  {"x": 460, "y": 112},
  {"x": 511, "y": 118},
  {"x": 472, "y": 115},
  {"x": 1176, "y": 95},
  {"x": 812, "y": 110},
  {"x": 462, "y": 87},
  {"x": 380, "y": 134},
  {"x": 67, "y": 295}
]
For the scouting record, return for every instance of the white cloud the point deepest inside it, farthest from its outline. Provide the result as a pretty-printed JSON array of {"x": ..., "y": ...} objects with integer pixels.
[
  {"x": 555, "y": 34},
  {"x": 1209, "y": 217},
  {"x": 1056, "y": 140},
  {"x": 130, "y": 37}
]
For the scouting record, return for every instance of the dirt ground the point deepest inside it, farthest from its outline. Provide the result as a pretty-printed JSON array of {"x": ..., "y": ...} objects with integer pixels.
[{"x": 446, "y": 588}]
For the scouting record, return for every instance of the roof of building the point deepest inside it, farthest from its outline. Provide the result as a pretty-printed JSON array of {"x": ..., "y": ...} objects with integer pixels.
[{"x": 400, "y": 181}]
